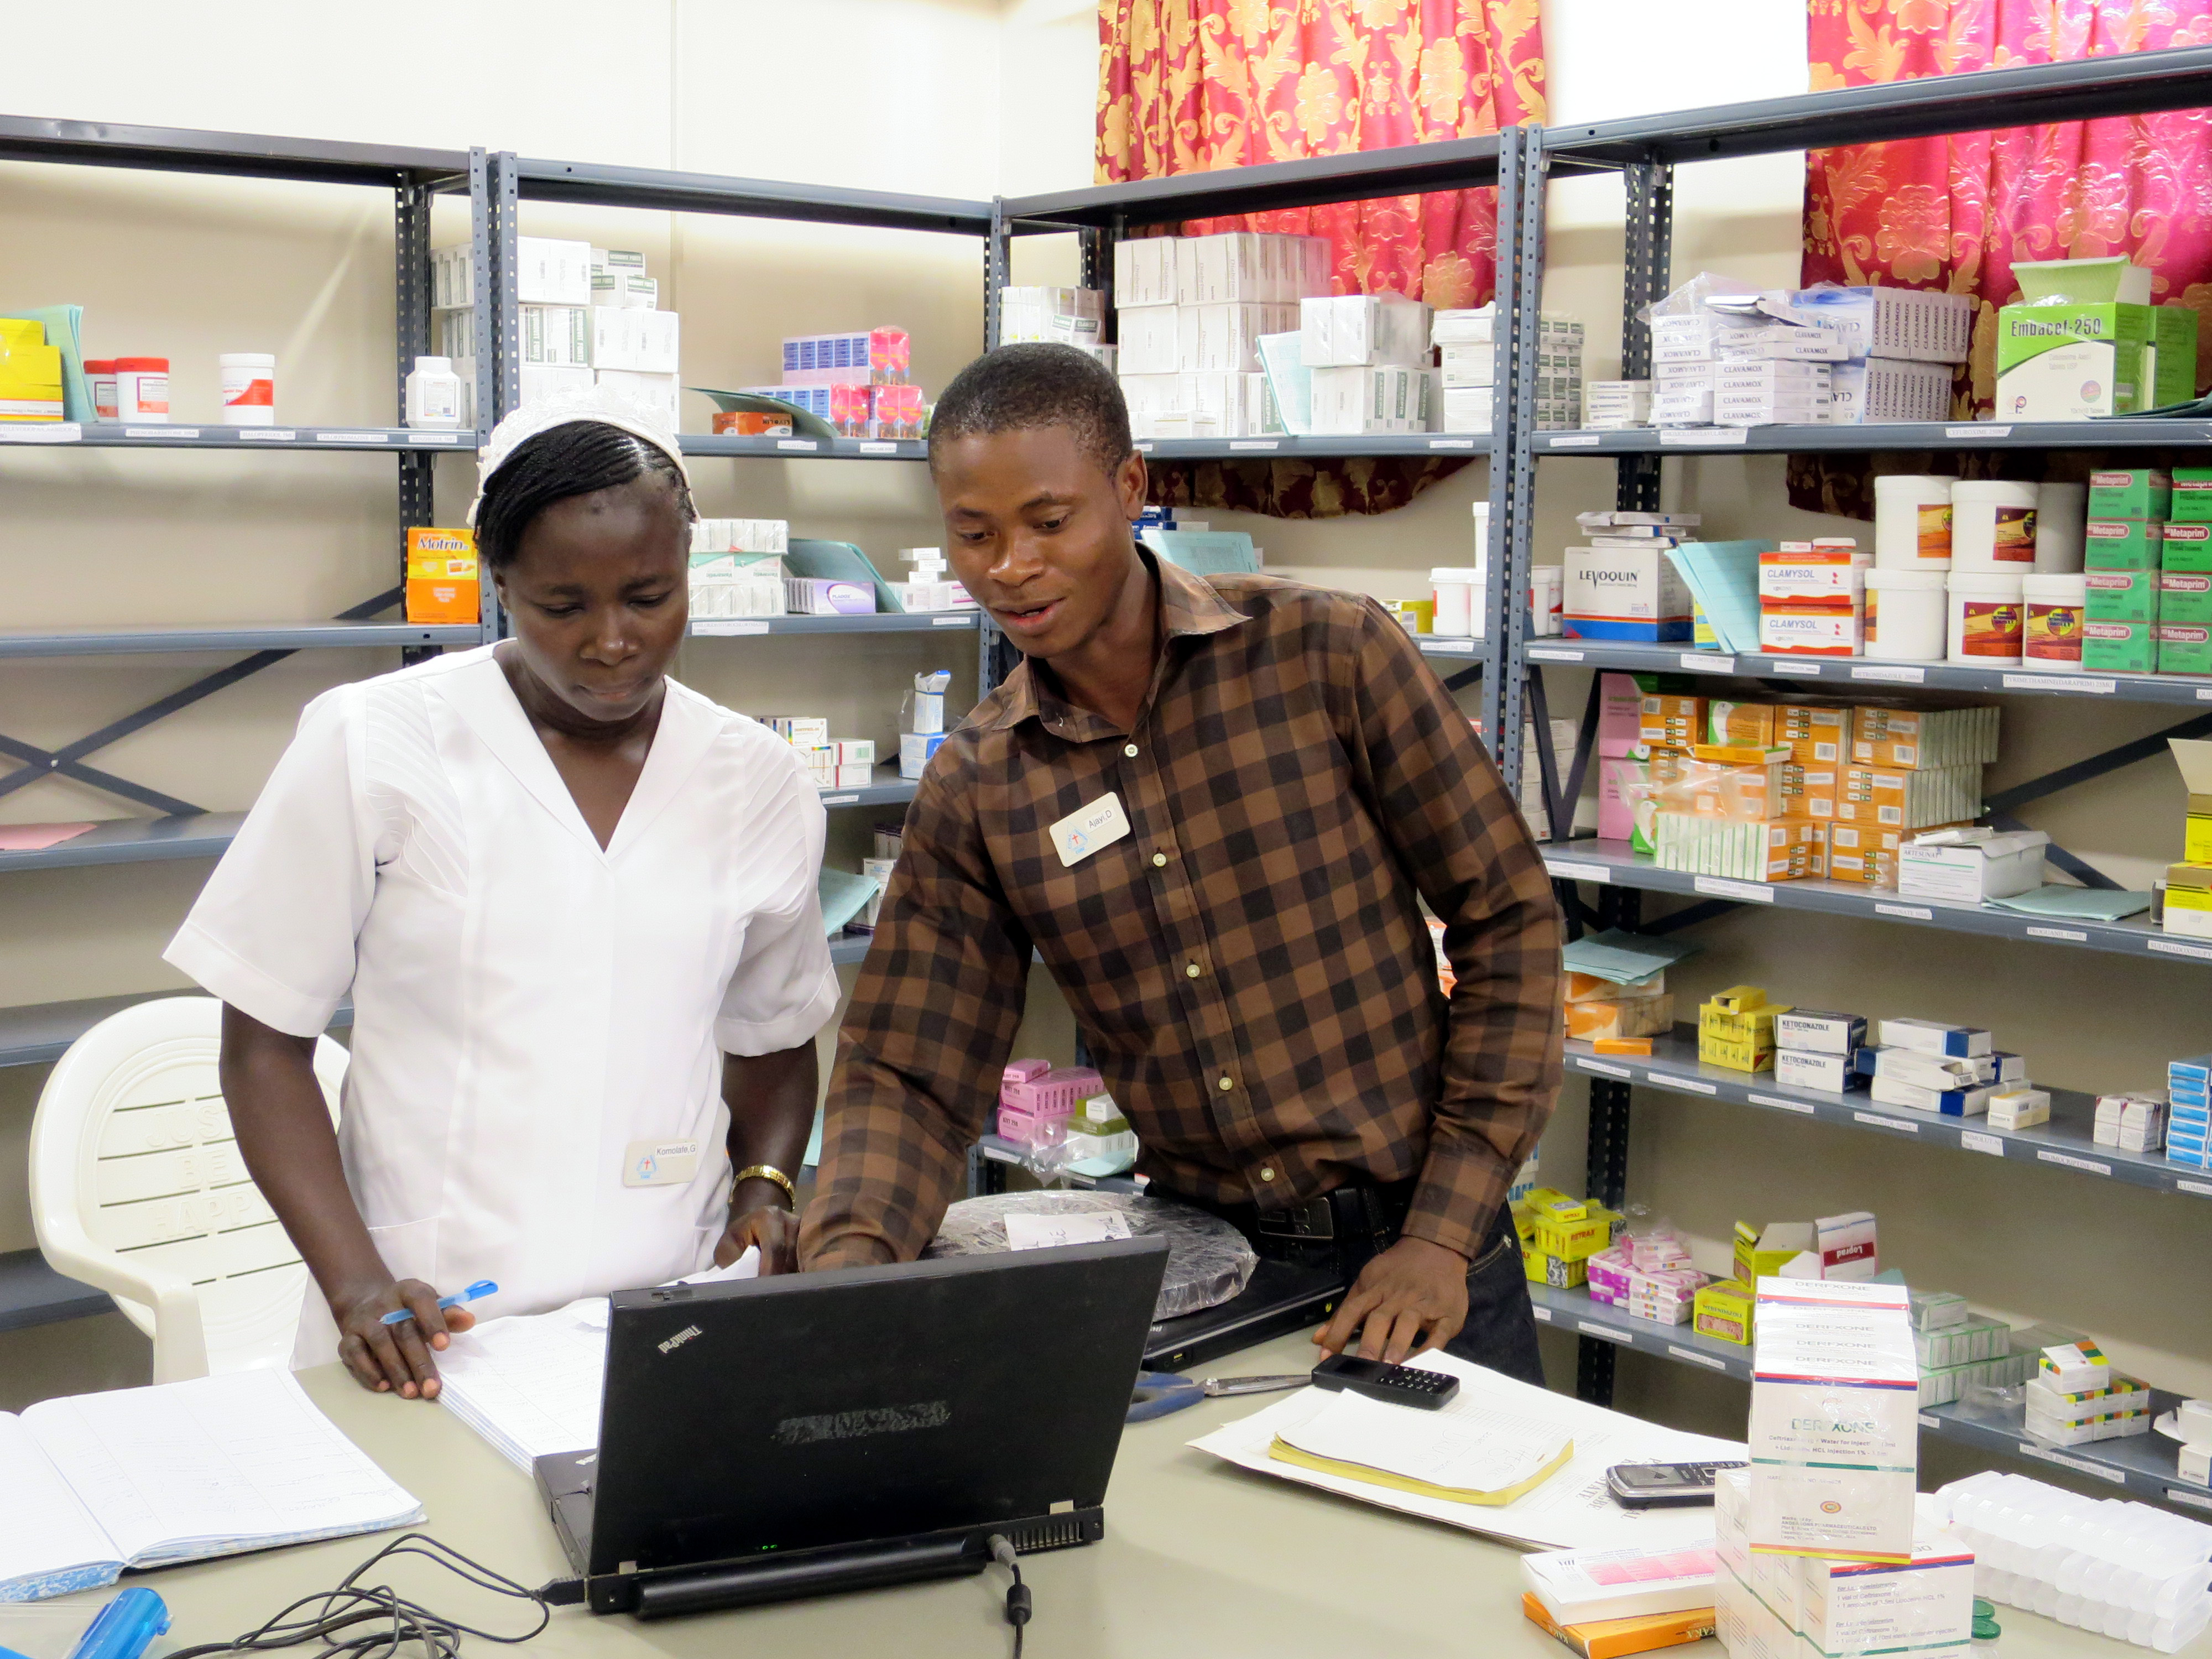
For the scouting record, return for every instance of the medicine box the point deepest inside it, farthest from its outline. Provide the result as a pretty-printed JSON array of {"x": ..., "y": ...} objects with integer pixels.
[
  {"x": 1934, "y": 1037},
  {"x": 1777, "y": 850},
  {"x": 2122, "y": 543},
  {"x": 2193, "y": 757},
  {"x": 2192, "y": 494},
  {"x": 1965, "y": 1340},
  {"x": 1765, "y": 1252},
  {"x": 2186, "y": 547},
  {"x": 1913, "y": 738},
  {"x": 2074, "y": 1367},
  {"x": 2018, "y": 1107},
  {"x": 1674, "y": 721},
  {"x": 1800, "y": 1068},
  {"x": 1895, "y": 797},
  {"x": 2142, "y": 492},
  {"x": 2116, "y": 647},
  {"x": 443, "y": 583},
  {"x": 1974, "y": 872},
  {"x": 2121, "y": 595},
  {"x": 1723, "y": 1309},
  {"x": 2074, "y": 347},
  {"x": 1925, "y": 1606},
  {"x": 1626, "y": 593},
  {"x": 1811, "y": 1031},
  {"x": 2183, "y": 647},
  {"x": 1934, "y": 1310},
  {"x": 1364, "y": 329}
]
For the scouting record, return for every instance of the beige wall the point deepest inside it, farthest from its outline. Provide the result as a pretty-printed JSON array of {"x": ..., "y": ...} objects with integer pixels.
[{"x": 991, "y": 98}]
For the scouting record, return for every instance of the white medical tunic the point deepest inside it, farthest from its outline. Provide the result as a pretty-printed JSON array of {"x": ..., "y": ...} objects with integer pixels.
[{"x": 527, "y": 1006}]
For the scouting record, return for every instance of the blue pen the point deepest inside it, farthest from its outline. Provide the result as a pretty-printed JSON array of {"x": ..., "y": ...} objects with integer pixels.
[
  {"x": 481, "y": 1287},
  {"x": 123, "y": 1628}
]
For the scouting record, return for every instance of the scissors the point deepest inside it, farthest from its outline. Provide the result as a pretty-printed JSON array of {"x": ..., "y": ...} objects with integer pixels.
[{"x": 1158, "y": 1392}]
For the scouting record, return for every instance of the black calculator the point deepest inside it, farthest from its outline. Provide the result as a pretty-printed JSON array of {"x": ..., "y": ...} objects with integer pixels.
[
  {"x": 1395, "y": 1385},
  {"x": 1663, "y": 1485}
]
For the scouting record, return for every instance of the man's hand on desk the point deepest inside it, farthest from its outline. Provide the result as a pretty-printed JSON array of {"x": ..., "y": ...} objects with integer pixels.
[
  {"x": 396, "y": 1358},
  {"x": 762, "y": 1218},
  {"x": 1410, "y": 1297}
]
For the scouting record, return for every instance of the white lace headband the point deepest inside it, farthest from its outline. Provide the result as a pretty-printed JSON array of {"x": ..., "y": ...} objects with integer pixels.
[{"x": 600, "y": 406}]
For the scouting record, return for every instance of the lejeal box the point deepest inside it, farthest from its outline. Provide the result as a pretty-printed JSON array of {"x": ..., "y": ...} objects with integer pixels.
[
  {"x": 1625, "y": 593},
  {"x": 2084, "y": 341},
  {"x": 1835, "y": 1427}
]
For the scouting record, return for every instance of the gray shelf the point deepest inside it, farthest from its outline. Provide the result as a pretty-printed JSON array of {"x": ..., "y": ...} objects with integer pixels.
[
  {"x": 39, "y": 1033},
  {"x": 889, "y": 789},
  {"x": 31, "y": 1293},
  {"x": 1868, "y": 673},
  {"x": 926, "y": 621},
  {"x": 105, "y": 143},
  {"x": 134, "y": 841},
  {"x": 232, "y": 636},
  {"x": 999, "y": 1150},
  {"x": 588, "y": 182},
  {"x": 1463, "y": 444},
  {"x": 1611, "y": 861},
  {"x": 2144, "y": 1465},
  {"x": 1453, "y": 649},
  {"x": 2065, "y": 1142},
  {"x": 293, "y": 440},
  {"x": 1878, "y": 435},
  {"x": 789, "y": 449}
]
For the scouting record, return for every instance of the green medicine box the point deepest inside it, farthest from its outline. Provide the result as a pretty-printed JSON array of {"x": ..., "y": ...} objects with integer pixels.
[
  {"x": 2085, "y": 341},
  {"x": 2184, "y": 596},
  {"x": 2192, "y": 494},
  {"x": 2184, "y": 648},
  {"x": 2141, "y": 492},
  {"x": 2122, "y": 596},
  {"x": 2186, "y": 547},
  {"x": 2122, "y": 543},
  {"x": 2119, "y": 647}
]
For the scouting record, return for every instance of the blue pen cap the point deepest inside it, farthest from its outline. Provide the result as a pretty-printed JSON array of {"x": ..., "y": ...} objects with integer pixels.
[{"x": 124, "y": 1627}]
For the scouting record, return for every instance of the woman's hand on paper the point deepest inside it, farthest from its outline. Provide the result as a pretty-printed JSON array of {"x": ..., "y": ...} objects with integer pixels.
[
  {"x": 396, "y": 1358},
  {"x": 1409, "y": 1298},
  {"x": 763, "y": 1221}
]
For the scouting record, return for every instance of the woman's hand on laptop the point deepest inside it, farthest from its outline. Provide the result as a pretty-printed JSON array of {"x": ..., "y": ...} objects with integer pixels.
[
  {"x": 764, "y": 1220},
  {"x": 1410, "y": 1298}
]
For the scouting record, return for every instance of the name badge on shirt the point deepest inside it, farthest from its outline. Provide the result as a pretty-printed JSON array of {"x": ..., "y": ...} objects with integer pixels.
[
  {"x": 1087, "y": 829},
  {"x": 661, "y": 1163}
]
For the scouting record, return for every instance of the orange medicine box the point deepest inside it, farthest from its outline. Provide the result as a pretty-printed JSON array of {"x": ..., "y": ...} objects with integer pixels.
[
  {"x": 1749, "y": 724},
  {"x": 1677, "y": 721},
  {"x": 1893, "y": 797},
  {"x": 441, "y": 576},
  {"x": 1817, "y": 733}
]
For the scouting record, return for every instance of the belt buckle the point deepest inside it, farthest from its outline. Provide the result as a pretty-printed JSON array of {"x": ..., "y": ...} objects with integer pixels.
[{"x": 1314, "y": 1220}]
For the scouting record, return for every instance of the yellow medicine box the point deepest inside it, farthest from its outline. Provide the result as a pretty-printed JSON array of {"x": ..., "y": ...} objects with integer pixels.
[
  {"x": 441, "y": 576},
  {"x": 1736, "y": 1028},
  {"x": 1575, "y": 1240},
  {"x": 2194, "y": 757},
  {"x": 1560, "y": 1273},
  {"x": 1723, "y": 1309}
]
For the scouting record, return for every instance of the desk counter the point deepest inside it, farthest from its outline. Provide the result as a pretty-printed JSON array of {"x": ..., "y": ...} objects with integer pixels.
[{"x": 1200, "y": 1560}]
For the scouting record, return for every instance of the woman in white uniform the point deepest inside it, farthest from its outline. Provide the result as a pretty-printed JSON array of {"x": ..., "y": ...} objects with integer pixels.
[{"x": 574, "y": 905}]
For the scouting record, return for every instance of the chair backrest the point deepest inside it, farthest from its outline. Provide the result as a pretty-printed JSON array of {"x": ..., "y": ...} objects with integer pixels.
[{"x": 137, "y": 1179}]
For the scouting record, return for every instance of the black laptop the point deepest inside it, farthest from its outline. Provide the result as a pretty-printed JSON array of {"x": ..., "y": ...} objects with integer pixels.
[{"x": 764, "y": 1439}]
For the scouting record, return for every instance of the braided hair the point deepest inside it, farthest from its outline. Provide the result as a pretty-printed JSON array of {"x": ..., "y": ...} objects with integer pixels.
[{"x": 576, "y": 458}]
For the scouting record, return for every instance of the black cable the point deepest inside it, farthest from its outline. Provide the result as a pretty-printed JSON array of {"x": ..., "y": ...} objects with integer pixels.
[
  {"x": 1018, "y": 1597},
  {"x": 374, "y": 1621}
]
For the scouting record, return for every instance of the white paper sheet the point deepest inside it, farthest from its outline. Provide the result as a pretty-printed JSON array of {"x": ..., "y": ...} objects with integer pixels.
[
  {"x": 185, "y": 1470},
  {"x": 1485, "y": 1451},
  {"x": 50, "y": 1545},
  {"x": 1571, "y": 1511}
]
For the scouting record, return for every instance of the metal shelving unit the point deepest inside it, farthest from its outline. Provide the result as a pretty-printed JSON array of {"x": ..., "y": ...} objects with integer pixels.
[
  {"x": 1645, "y": 150},
  {"x": 927, "y": 621},
  {"x": 235, "y": 636}
]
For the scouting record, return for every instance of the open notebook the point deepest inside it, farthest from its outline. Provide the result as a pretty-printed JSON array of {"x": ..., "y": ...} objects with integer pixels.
[
  {"x": 530, "y": 1383},
  {"x": 95, "y": 1483}
]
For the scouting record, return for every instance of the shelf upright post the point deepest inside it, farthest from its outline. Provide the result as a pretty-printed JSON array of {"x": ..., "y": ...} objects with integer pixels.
[
  {"x": 1651, "y": 223},
  {"x": 410, "y": 245},
  {"x": 994, "y": 657},
  {"x": 1519, "y": 212},
  {"x": 494, "y": 207}
]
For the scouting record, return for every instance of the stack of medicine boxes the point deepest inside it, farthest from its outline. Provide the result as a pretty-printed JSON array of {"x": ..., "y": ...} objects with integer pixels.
[
  {"x": 1466, "y": 353},
  {"x": 1189, "y": 312},
  {"x": 2133, "y": 1122},
  {"x": 1926, "y": 1065},
  {"x": 2124, "y": 543},
  {"x": 1812, "y": 597},
  {"x": 928, "y": 586},
  {"x": 2184, "y": 583},
  {"x": 737, "y": 567},
  {"x": 1814, "y": 1050},
  {"x": 1620, "y": 584},
  {"x": 1648, "y": 1275},
  {"x": 1559, "y": 1235},
  {"x": 2188, "y": 883},
  {"x": 1036, "y": 1102},
  {"x": 1909, "y": 769},
  {"x": 1958, "y": 1348},
  {"x": 859, "y": 381},
  {"x": 2189, "y": 1127},
  {"x": 1367, "y": 357},
  {"x": 2075, "y": 1397},
  {"x": 834, "y": 764},
  {"x": 1736, "y": 1029}
]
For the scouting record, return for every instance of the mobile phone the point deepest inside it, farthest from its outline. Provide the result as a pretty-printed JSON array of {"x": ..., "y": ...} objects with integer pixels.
[
  {"x": 1395, "y": 1385},
  {"x": 1663, "y": 1485}
]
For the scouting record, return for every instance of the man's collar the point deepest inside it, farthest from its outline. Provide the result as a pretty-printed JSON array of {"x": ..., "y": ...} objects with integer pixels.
[{"x": 1189, "y": 605}]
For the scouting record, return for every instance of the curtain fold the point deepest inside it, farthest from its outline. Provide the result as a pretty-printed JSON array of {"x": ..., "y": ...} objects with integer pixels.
[
  {"x": 1189, "y": 86},
  {"x": 1954, "y": 213}
]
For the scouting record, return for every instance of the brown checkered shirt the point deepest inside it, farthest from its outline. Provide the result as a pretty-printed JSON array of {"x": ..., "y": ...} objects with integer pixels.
[{"x": 1249, "y": 965}]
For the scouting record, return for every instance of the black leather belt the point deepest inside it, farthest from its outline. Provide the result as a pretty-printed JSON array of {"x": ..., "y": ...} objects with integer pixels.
[{"x": 1342, "y": 1228}]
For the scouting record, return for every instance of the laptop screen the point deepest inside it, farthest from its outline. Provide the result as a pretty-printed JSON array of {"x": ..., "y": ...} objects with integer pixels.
[{"x": 866, "y": 1403}]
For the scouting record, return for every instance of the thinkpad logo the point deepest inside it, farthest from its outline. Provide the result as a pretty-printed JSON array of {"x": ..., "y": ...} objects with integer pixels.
[{"x": 679, "y": 1338}]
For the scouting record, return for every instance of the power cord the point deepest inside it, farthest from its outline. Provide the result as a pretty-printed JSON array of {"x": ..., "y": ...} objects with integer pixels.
[
  {"x": 1018, "y": 1597},
  {"x": 374, "y": 1621}
]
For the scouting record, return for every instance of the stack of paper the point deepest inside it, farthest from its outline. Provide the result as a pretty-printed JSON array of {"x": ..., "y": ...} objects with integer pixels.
[
  {"x": 1492, "y": 1458},
  {"x": 148, "y": 1477}
]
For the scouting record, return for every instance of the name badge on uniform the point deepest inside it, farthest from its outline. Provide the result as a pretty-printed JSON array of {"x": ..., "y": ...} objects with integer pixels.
[
  {"x": 661, "y": 1163},
  {"x": 1087, "y": 829}
]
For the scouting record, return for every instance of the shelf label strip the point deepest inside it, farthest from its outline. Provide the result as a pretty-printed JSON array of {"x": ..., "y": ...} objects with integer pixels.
[
  {"x": 160, "y": 432},
  {"x": 2071, "y": 935},
  {"x": 1552, "y": 654},
  {"x": 1928, "y": 1422},
  {"x": 268, "y": 435},
  {"x": 1974, "y": 1140},
  {"x": 1810, "y": 670},
  {"x": 1881, "y": 1122},
  {"x": 1600, "y": 1067},
  {"x": 1750, "y": 892},
  {"x": 1895, "y": 673},
  {"x": 807, "y": 444},
  {"x": 1575, "y": 439},
  {"x": 1699, "y": 662},
  {"x": 1446, "y": 443},
  {"x": 1909, "y": 912},
  {"x": 1803, "y": 1106},
  {"x": 1562, "y": 871},
  {"x": 2201, "y": 1500},
  {"x": 1541, "y": 1312},
  {"x": 1980, "y": 429},
  {"x": 721, "y": 625},
  {"x": 1702, "y": 436},
  {"x": 840, "y": 801},
  {"x": 351, "y": 438},
  {"x": 878, "y": 446},
  {"x": 2103, "y": 1472},
  {"x": 1692, "y": 1084},
  {"x": 1256, "y": 443},
  {"x": 2174, "y": 947},
  {"x": 1712, "y": 1361},
  {"x": 953, "y": 621},
  {"x": 2044, "y": 1154},
  {"x": 1604, "y": 1333},
  {"x": 2073, "y": 682},
  {"x": 2201, "y": 1188},
  {"x": 43, "y": 432}
]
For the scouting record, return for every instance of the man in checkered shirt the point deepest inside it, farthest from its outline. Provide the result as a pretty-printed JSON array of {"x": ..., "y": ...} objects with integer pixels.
[{"x": 1268, "y": 782}]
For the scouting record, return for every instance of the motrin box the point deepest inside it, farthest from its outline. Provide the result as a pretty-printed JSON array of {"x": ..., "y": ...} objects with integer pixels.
[
  {"x": 441, "y": 576},
  {"x": 2121, "y": 595},
  {"x": 2122, "y": 543},
  {"x": 2142, "y": 492},
  {"x": 2113, "y": 647},
  {"x": 2186, "y": 547}
]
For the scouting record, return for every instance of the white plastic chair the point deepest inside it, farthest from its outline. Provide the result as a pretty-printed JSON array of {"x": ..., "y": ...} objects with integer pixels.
[{"x": 137, "y": 1187}]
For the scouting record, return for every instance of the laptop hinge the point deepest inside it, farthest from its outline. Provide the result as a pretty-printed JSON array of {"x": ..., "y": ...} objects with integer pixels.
[{"x": 663, "y": 1596}]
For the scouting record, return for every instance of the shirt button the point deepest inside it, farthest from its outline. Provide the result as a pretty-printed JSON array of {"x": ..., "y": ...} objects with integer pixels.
[
  {"x": 1193, "y": 970},
  {"x": 1267, "y": 1175},
  {"x": 1226, "y": 1085},
  {"x": 1130, "y": 750},
  {"x": 1159, "y": 858}
]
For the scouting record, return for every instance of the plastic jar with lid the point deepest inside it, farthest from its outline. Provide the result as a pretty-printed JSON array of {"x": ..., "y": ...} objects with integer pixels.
[
  {"x": 1912, "y": 521},
  {"x": 1906, "y": 614},
  {"x": 1987, "y": 626},
  {"x": 142, "y": 391},
  {"x": 1458, "y": 591},
  {"x": 1993, "y": 526},
  {"x": 99, "y": 380},
  {"x": 2050, "y": 634},
  {"x": 2061, "y": 513},
  {"x": 249, "y": 388}
]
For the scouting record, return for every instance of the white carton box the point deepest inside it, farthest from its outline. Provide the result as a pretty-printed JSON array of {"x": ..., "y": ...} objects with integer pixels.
[
  {"x": 1925, "y": 1607},
  {"x": 538, "y": 383},
  {"x": 1804, "y": 1068},
  {"x": 1626, "y": 592},
  {"x": 556, "y": 336},
  {"x": 625, "y": 287},
  {"x": 550, "y": 272},
  {"x": 643, "y": 342},
  {"x": 1835, "y": 1426},
  {"x": 659, "y": 395},
  {"x": 1377, "y": 330},
  {"x": 1144, "y": 273},
  {"x": 1151, "y": 337},
  {"x": 1881, "y": 389},
  {"x": 1360, "y": 399},
  {"x": 1469, "y": 365},
  {"x": 1973, "y": 872}
]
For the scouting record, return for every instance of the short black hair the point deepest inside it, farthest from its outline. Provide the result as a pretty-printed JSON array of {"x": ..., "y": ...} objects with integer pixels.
[
  {"x": 576, "y": 458},
  {"x": 1037, "y": 384}
]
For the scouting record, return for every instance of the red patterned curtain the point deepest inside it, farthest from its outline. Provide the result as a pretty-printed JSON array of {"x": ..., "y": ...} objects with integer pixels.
[
  {"x": 1954, "y": 213},
  {"x": 1186, "y": 86}
]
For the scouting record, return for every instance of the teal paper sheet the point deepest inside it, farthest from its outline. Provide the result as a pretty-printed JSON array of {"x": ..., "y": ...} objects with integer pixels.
[
  {"x": 843, "y": 895},
  {"x": 1623, "y": 957},
  {"x": 2077, "y": 903},
  {"x": 1289, "y": 379},
  {"x": 1205, "y": 552},
  {"x": 1723, "y": 578}
]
